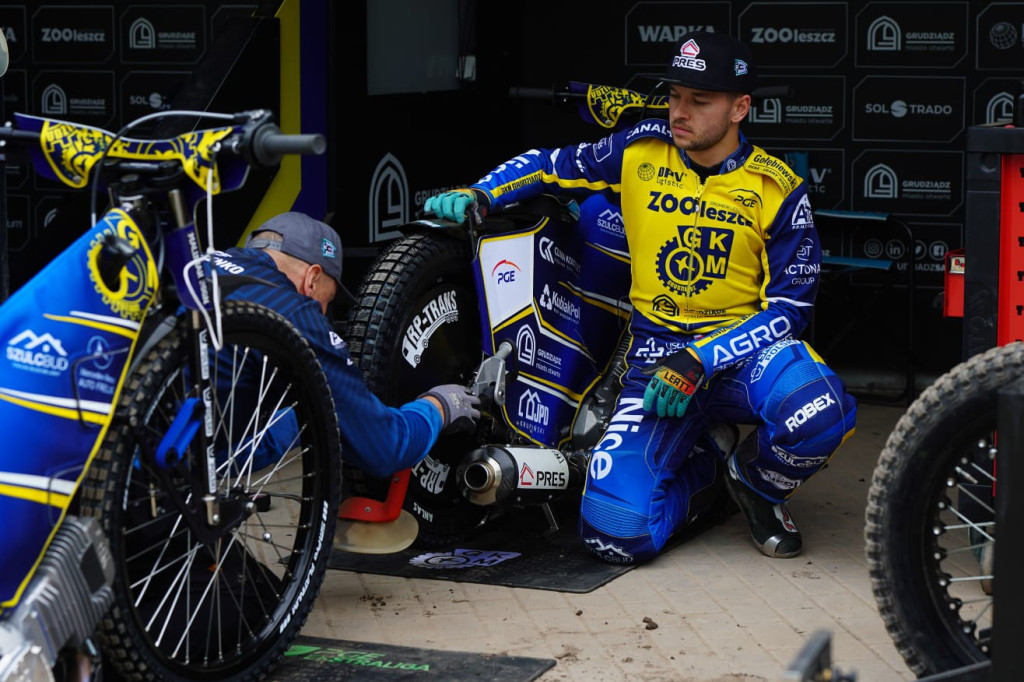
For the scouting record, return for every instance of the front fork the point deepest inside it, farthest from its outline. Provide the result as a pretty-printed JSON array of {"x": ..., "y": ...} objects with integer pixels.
[{"x": 182, "y": 250}]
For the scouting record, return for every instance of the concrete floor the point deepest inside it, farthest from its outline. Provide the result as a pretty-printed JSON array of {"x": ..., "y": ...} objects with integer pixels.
[{"x": 724, "y": 612}]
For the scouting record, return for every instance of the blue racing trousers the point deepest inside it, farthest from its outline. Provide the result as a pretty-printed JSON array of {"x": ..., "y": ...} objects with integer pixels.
[{"x": 649, "y": 477}]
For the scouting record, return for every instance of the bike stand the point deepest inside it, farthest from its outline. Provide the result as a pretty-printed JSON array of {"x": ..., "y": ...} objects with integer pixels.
[{"x": 369, "y": 526}]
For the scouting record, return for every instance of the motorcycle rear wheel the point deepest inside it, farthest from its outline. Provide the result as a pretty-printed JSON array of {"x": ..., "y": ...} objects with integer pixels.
[
  {"x": 187, "y": 608},
  {"x": 929, "y": 534},
  {"x": 416, "y": 325}
]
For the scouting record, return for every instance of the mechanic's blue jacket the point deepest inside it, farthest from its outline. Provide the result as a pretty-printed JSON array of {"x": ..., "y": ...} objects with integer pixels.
[
  {"x": 733, "y": 261},
  {"x": 375, "y": 437}
]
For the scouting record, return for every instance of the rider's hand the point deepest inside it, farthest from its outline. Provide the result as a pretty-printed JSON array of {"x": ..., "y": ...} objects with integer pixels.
[
  {"x": 673, "y": 384},
  {"x": 459, "y": 407},
  {"x": 454, "y": 204}
]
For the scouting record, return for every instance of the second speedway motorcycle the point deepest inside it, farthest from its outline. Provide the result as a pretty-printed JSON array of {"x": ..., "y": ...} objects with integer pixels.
[{"x": 530, "y": 306}]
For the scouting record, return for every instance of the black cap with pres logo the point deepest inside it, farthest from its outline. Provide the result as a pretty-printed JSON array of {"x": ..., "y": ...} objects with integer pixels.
[{"x": 712, "y": 61}]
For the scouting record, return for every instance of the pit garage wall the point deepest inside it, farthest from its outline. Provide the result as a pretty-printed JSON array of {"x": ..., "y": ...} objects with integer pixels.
[
  {"x": 413, "y": 95},
  {"x": 882, "y": 94},
  {"x": 105, "y": 64}
]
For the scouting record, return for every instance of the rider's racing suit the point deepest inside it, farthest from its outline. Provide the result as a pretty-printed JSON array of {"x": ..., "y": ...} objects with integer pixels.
[{"x": 728, "y": 266}]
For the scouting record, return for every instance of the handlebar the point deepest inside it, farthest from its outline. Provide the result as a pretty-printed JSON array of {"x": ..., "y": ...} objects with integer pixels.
[
  {"x": 566, "y": 95},
  {"x": 613, "y": 107},
  {"x": 71, "y": 150}
]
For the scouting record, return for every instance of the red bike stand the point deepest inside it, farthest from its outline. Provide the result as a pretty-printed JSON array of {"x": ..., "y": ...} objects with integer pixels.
[{"x": 370, "y": 526}]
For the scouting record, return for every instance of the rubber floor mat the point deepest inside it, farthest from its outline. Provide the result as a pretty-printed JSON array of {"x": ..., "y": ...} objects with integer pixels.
[
  {"x": 329, "y": 660},
  {"x": 517, "y": 550}
]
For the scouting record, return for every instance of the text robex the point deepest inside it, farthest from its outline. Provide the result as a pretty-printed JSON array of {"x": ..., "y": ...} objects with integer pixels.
[{"x": 806, "y": 412}]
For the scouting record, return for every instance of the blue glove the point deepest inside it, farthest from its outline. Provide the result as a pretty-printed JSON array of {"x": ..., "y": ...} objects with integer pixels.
[
  {"x": 453, "y": 205},
  {"x": 673, "y": 384}
]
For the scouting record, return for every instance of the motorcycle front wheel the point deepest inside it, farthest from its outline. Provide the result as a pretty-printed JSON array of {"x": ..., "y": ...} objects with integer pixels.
[
  {"x": 224, "y": 600},
  {"x": 416, "y": 325},
  {"x": 930, "y": 519}
]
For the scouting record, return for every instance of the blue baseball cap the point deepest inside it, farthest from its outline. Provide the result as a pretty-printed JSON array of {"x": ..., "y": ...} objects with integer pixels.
[{"x": 307, "y": 239}]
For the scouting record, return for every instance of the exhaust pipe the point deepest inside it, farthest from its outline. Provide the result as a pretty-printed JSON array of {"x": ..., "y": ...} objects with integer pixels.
[{"x": 502, "y": 474}]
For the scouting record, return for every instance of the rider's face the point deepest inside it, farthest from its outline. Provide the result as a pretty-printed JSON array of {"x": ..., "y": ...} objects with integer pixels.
[{"x": 706, "y": 124}]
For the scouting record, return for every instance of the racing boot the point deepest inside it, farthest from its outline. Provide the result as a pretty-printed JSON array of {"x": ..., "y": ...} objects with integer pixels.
[{"x": 771, "y": 526}]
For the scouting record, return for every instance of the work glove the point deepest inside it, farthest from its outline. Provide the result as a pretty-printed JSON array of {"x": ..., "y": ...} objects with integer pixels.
[
  {"x": 458, "y": 407},
  {"x": 673, "y": 383},
  {"x": 454, "y": 204}
]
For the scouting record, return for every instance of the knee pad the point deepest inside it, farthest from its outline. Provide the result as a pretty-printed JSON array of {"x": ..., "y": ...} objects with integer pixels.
[{"x": 812, "y": 420}]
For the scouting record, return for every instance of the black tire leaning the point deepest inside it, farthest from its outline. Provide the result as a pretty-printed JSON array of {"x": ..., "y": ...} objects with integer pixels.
[
  {"x": 262, "y": 579},
  {"x": 410, "y": 275},
  {"x": 938, "y": 449}
]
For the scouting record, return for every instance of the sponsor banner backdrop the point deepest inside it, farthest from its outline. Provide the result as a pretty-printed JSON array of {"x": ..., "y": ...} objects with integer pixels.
[
  {"x": 650, "y": 39},
  {"x": 904, "y": 108},
  {"x": 815, "y": 110},
  {"x": 901, "y": 34},
  {"x": 1000, "y": 36},
  {"x": 993, "y": 101},
  {"x": 795, "y": 34},
  {"x": 72, "y": 35},
  {"x": 927, "y": 183}
]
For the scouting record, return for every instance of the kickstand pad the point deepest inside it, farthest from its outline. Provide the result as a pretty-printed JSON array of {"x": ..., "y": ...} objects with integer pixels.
[{"x": 516, "y": 550}]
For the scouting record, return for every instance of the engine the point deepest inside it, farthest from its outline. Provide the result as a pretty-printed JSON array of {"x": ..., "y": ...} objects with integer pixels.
[{"x": 61, "y": 606}]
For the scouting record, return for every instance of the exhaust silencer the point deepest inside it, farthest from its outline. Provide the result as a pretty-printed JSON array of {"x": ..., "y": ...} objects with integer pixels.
[{"x": 505, "y": 474}]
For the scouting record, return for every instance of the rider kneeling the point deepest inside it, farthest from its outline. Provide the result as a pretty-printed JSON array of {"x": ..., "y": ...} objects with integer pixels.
[{"x": 725, "y": 260}]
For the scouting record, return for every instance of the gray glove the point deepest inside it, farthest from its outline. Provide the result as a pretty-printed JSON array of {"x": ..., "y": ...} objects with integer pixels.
[{"x": 458, "y": 407}]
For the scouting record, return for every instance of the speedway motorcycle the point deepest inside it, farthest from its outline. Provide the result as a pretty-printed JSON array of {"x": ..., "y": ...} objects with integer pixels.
[
  {"x": 158, "y": 516},
  {"x": 930, "y": 521},
  {"x": 529, "y": 307}
]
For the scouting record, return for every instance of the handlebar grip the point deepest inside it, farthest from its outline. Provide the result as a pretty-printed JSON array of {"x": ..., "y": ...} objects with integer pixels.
[
  {"x": 516, "y": 92},
  {"x": 8, "y": 133},
  {"x": 276, "y": 144}
]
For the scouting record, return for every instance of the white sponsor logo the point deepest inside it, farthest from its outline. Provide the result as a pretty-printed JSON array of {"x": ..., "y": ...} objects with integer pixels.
[
  {"x": 608, "y": 551},
  {"x": 779, "y": 481},
  {"x": 442, "y": 309},
  {"x": 627, "y": 419},
  {"x": 900, "y": 108},
  {"x": 765, "y": 358},
  {"x": 803, "y": 217},
  {"x": 881, "y": 182},
  {"x": 769, "y": 34},
  {"x": 52, "y": 34},
  {"x": 763, "y": 335},
  {"x": 43, "y": 354},
  {"x": 808, "y": 411},
  {"x": 526, "y": 345},
  {"x": 552, "y": 300},
  {"x": 552, "y": 254},
  {"x": 533, "y": 409},
  {"x": 797, "y": 462},
  {"x": 431, "y": 474},
  {"x": 462, "y": 558},
  {"x": 611, "y": 221}
]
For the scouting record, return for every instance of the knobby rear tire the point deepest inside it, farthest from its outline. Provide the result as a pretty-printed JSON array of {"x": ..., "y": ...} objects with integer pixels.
[
  {"x": 927, "y": 526},
  {"x": 411, "y": 275},
  {"x": 225, "y": 609}
]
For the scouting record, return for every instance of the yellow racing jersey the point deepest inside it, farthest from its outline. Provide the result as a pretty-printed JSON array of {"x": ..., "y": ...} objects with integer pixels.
[{"x": 731, "y": 262}]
